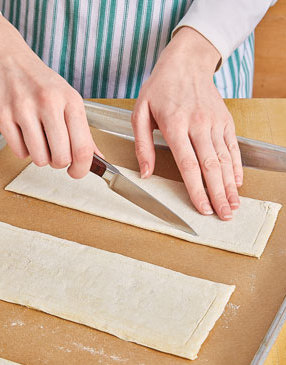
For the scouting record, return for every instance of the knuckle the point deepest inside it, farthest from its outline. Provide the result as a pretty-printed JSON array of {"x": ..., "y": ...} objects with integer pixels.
[
  {"x": 20, "y": 153},
  {"x": 74, "y": 98},
  {"x": 135, "y": 116},
  {"x": 175, "y": 117},
  {"x": 224, "y": 158},
  {"x": 25, "y": 105},
  {"x": 233, "y": 147},
  {"x": 199, "y": 116},
  {"x": 220, "y": 198},
  {"x": 199, "y": 121},
  {"x": 231, "y": 189},
  {"x": 188, "y": 164},
  {"x": 76, "y": 175},
  {"x": 237, "y": 168},
  {"x": 200, "y": 196},
  {"x": 61, "y": 162},
  {"x": 40, "y": 162},
  {"x": 141, "y": 147},
  {"x": 228, "y": 121},
  {"x": 211, "y": 163},
  {"x": 174, "y": 132},
  {"x": 83, "y": 153},
  {"x": 46, "y": 96}
]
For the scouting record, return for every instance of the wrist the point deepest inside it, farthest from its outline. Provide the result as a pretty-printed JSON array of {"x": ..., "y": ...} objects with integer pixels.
[{"x": 198, "y": 50}]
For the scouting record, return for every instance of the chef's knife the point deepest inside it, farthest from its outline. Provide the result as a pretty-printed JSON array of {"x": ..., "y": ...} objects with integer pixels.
[
  {"x": 116, "y": 121},
  {"x": 129, "y": 190}
]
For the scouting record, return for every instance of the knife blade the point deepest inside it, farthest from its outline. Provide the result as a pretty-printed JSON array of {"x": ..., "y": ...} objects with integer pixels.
[
  {"x": 117, "y": 121},
  {"x": 121, "y": 185}
]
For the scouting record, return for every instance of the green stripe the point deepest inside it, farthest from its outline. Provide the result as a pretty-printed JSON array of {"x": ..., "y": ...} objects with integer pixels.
[
  {"x": 134, "y": 52},
  {"x": 121, "y": 46},
  {"x": 43, "y": 29},
  {"x": 246, "y": 66},
  {"x": 159, "y": 33},
  {"x": 108, "y": 49},
  {"x": 36, "y": 24},
  {"x": 238, "y": 63},
  {"x": 65, "y": 38},
  {"x": 86, "y": 40},
  {"x": 251, "y": 41},
  {"x": 173, "y": 18},
  {"x": 18, "y": 12},
  {"x": 11, "y": 13},
  {"x": 246, "y": 73},
  {"x": 51, "y": 51},
  {"x": 232, "y": 73},
  {"x": 73, "y": 42},
  {"x": 249, "y": 59},
  {"x": 144, "y": 47},
  {"x": 99, "y": 40},
  {"x": 182, "y": 11},
  {"x": 215, "y": 81}
]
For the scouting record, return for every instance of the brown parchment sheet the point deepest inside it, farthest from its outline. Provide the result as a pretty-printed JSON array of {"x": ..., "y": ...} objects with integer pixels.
[{"x": 31, "y": 337}]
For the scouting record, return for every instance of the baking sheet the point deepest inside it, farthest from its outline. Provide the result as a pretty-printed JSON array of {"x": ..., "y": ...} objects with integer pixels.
[{"x": 32, "y": 337}]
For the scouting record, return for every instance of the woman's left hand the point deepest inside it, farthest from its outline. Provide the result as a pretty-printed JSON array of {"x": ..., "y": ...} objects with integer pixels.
[{"x": 180, "y": 98}]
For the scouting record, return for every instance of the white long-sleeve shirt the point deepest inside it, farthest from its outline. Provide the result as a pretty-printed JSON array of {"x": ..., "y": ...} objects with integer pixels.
[{"x": 225, "y": 23}]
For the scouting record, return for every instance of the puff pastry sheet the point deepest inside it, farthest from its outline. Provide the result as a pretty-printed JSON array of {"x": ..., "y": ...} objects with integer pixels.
[
  {"x": 247, "y": 233},
  {"x": 133, "y": 300}
]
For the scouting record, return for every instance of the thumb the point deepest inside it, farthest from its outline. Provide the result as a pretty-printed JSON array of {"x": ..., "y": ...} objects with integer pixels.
[{"x": 143, "y": 132}]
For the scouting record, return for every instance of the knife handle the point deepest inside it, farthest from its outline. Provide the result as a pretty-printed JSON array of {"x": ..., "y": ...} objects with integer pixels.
[{"x": 98, "y": 167}]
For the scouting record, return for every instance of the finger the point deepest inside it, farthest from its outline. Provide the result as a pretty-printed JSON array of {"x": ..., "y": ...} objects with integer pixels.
[
  {"x": 58, "y": 139},
  {"x": 81, "y": 142},
  {"x": 35, "y": 140},
  {"x": 226, "y": 168},
  {"x": 13, "y": 136},
  {"x": 144, "y": 145},
  {"x": 188, "y": 165},
  {"x": 232, "y": 145},
  {"x": 211, "y": 170}
]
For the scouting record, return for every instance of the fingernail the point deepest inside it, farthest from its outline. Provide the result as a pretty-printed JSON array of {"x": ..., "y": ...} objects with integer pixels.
[
  {"x": 207, "y": 209},
  {"x": 144, "y": 170},
  {"x": 226, "y": 212},
  {"x": 233, "y": 202},
  {"x": 238, "y": 180},
  {"x": 234, "y": 205}
]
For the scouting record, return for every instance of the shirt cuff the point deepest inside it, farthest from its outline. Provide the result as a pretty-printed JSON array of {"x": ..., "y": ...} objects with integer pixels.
[{"x": 224, "y": 23}]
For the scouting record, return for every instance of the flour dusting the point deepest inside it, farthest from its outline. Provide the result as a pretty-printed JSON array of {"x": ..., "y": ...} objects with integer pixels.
[
  {"x": 17, "y": 323},
  {"x": 234, "y": 307},
  {"x": 229, "y": 314},
  {"x": 62, "y": 348},
  {"x": 99, "y": 352}
]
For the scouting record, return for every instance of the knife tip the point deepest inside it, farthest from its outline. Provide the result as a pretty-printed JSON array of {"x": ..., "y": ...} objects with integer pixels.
[{"x": 188, "y": 230}]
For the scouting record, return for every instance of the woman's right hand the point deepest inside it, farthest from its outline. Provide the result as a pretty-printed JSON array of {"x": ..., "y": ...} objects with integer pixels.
[{"x": 41, "y": 115}]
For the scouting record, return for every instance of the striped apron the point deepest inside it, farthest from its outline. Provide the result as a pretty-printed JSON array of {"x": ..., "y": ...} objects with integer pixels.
[{"x": 108, "y": 48}]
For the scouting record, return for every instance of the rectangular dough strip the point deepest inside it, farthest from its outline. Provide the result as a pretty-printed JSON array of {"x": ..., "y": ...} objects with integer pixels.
[
  {"x": 247, "y": 233},
  {"x": 7, "y": 362},
  {"x": 131, "y": 299}
]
